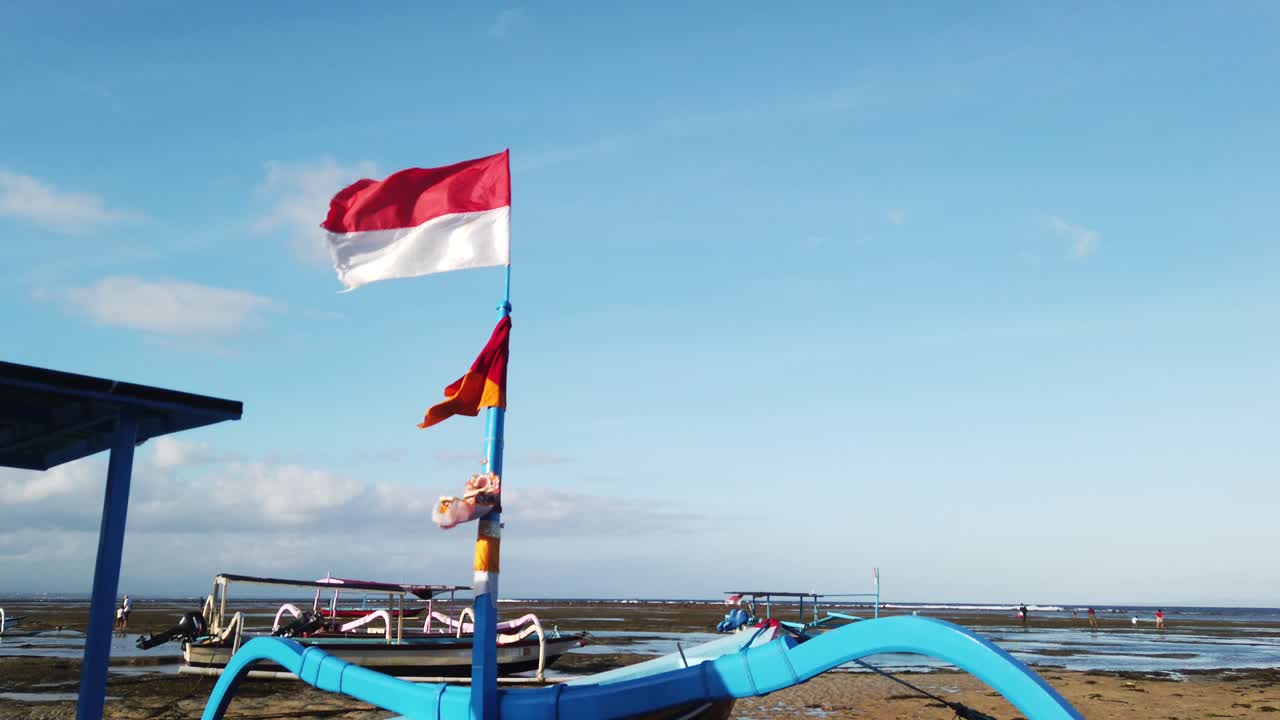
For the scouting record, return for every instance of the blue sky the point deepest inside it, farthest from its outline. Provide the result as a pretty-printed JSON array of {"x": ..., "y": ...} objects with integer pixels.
[{"x": 985, "y": 296}]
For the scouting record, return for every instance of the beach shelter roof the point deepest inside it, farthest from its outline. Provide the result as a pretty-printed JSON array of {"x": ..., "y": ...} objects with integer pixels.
[{"x": 49, "y": 417}]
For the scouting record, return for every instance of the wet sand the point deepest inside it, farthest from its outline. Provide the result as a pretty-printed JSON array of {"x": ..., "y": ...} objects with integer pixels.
[{"x": 159, "y": 696}]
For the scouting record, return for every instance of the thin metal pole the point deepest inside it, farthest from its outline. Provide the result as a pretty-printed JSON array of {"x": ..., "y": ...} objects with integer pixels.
[
  {"x": 106, "y": 571},
  {"x": 484, "y": 646}
]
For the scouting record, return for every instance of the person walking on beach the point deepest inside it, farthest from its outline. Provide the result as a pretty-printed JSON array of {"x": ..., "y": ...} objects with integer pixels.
[
  {"x": 1022, "y": 613},
  {"x": 126, "y": 607},
  {"x": 1093, "y": 620},
  {"x": 1160, "y": 619}
]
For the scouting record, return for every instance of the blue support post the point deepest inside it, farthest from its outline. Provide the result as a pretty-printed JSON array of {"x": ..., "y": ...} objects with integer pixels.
[
  {"x": 106, "y": 572},
  {"x": 484, "y": 646}
]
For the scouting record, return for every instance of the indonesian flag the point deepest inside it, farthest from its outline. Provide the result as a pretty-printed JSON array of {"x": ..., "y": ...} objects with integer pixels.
[
  {"x": 421, "y": 221},
  {"x": 484, "y": 385}
]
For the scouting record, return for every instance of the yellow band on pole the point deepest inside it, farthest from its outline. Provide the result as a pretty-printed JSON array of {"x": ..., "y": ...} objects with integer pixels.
[{"x": 487, "y": 554}]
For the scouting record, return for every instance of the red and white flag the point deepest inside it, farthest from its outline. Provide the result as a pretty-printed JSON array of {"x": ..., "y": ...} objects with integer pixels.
[{"x": 421, "y": 221}]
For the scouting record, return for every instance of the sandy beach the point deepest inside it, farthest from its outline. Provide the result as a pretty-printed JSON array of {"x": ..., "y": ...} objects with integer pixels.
[{"x": 145, "y": 688}]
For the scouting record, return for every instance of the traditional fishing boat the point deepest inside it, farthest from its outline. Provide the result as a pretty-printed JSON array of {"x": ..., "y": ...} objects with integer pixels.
[
  {"x": 422, "y": 221},
  {"x": 386, "y": 634},
  {"x": 751, "y": 607}
]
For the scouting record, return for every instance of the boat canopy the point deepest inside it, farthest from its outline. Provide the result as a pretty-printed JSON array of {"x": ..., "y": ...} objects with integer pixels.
[
  {"x": 425, "y": 592},
  {"x": 765, "y": 593}
]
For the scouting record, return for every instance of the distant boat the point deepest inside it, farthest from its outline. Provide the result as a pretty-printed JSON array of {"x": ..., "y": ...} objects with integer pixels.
[
  {"x": 751, "y": 607},
  {"x": 8, "y": 622},
  {"x": 386, "y": 636}
]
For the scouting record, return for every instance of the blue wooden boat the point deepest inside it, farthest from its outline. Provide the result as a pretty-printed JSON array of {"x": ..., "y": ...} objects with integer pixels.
[
  {"x": 739, "y": 667},
  {"x": 400, "y": 632}
]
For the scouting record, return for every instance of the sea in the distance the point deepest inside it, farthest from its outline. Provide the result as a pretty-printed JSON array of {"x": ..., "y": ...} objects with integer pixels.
[{"x": 1198, "y": 638}]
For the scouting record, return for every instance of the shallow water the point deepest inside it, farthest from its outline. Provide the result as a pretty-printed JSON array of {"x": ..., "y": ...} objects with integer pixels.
[
  {"x": 1243, "y": 644},
  {"x": 41, "y": 696},
  {"x": 71, "y": 645},
  {"x": 1142, "y": 650},
  {"x": 1072, "y": 649}
]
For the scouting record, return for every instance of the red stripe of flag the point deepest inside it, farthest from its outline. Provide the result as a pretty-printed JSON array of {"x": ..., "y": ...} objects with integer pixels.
[{"x": 412, "y": 197}]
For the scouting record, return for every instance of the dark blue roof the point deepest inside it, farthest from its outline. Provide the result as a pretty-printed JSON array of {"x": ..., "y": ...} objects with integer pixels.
[{"x": 48, "y": 417}]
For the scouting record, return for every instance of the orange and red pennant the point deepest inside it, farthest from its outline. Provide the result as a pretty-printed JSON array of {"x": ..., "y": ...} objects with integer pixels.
[{"x": 484, "y": 385}]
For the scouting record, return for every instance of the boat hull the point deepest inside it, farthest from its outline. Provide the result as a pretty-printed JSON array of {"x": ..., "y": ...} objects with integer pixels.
[{"x": 413, "y": 658}]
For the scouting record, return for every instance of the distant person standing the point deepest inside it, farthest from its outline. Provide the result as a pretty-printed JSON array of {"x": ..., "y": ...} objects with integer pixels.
[
  {"x": 126, "y": 607},
  {"x": 1093, "y": 619},
  {"x": 1022, "y": 613},
  {"x": 1160, "y": 619}
]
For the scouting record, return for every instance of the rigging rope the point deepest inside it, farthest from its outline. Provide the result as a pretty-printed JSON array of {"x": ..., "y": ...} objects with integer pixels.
[{"x": 964, "y": 712}]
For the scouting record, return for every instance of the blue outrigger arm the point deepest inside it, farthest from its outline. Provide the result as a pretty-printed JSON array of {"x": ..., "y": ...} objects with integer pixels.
[{"x": 753, "y": 671}]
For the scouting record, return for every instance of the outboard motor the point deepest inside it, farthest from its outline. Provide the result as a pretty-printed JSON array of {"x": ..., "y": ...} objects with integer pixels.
[
  {"x": 305, "y": 623},
  {"x": 190, "y": 627}
]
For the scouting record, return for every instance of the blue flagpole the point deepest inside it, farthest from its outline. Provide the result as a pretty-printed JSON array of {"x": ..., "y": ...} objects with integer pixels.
[{"x": 484, "y": 648}]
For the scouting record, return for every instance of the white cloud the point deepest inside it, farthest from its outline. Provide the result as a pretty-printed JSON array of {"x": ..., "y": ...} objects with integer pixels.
[
  {"x": 557, "y": 513},
  {"x": 170, "y": 307},
  {"x": 290, "y": 495},
  {"x": 23, "y": 487},
  {"x": 1084, "y": 241},
  {"x": 505, "y": 22},
  {"x": 896, "y": 216},
  {"x": 299, "y": 194},
  {"x": 170, "y": 452},
  {"x": 43, "y": 548},
  {"x": 192, "y": 514},
  {"x": 183, "y": 487},
  {"x": 25, "y": 197}
]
